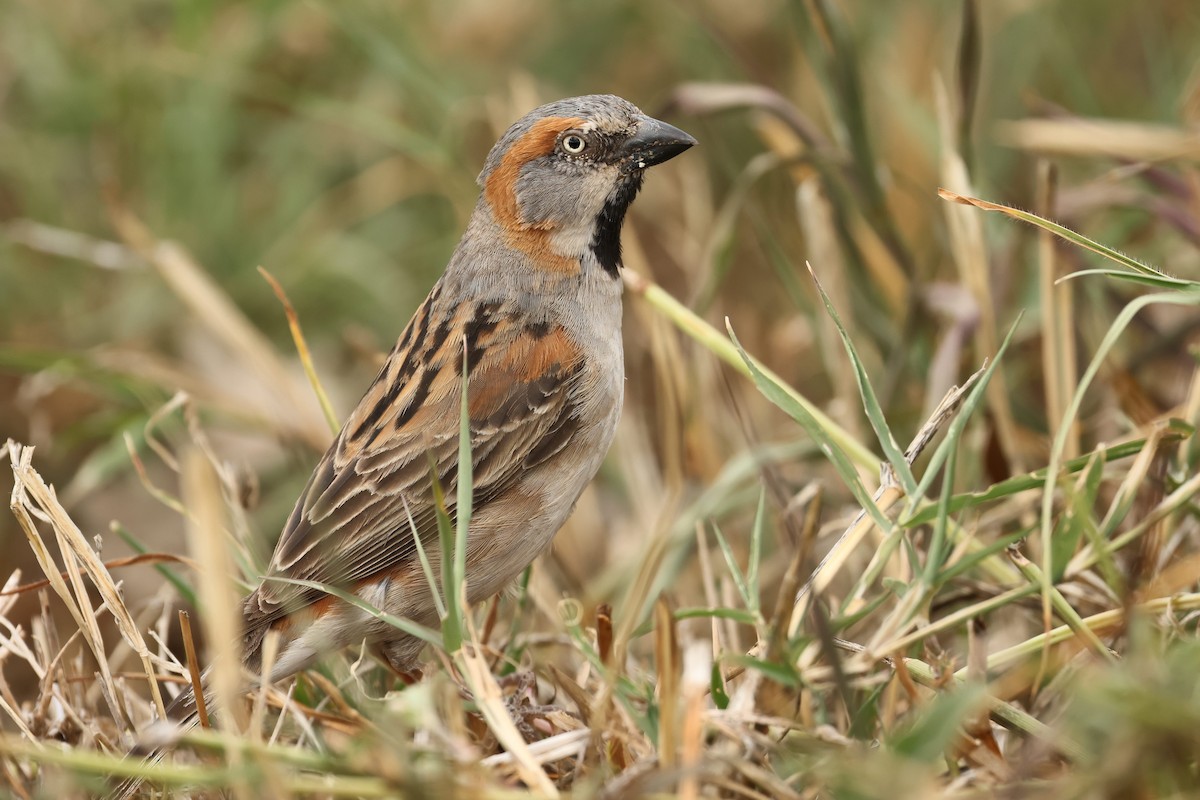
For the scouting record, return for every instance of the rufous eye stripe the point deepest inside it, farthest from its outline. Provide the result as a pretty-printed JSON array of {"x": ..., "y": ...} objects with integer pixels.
[{"x": 500, "y": 191}]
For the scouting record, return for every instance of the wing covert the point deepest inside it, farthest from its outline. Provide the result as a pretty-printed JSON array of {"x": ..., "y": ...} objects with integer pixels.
[{"x": 352, "y": 521}]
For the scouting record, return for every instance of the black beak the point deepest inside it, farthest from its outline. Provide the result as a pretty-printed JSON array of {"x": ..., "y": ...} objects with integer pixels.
[{"x": 653, "y": 143}]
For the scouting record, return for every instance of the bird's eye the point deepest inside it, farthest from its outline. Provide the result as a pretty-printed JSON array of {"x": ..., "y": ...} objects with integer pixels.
[{"x": 573, "y": 143}]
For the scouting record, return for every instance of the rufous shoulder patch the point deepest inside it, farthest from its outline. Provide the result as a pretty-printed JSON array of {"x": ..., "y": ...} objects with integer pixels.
[{"x": 540, "y": 362}]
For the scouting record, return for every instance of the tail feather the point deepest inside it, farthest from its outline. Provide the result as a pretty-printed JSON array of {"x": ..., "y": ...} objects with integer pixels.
[
  {"x": 182, "y": 716},
  {"x": 182, "y": 713}
]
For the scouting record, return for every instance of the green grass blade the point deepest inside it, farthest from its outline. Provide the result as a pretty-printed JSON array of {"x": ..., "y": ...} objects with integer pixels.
[
  {"x": 185, "y": 590},
  {"x": 757, "y": 532},
  {"x": 452, "y": 624},
  {"x": 775, "y": 391},
  {"x": 977, "y": 558},
  {"x": 781, "y": 673},
  {"x": 934, "y": 730},
  {"x": 891, "y": 448},
  {"x": 1180, "y": 431},
  {"x": 1155, "y": 281},
  {"x": 1006, "y": 713},
  {"x": 466, "y": 491},
  {"x": 720, "y": 346},
  {"x": 1064, "y": 608},
  {"x": 959, "y": 424},
  {"x": 1078, "y": 520},
  {"x": 937, "y": 542},
  {"x": 426, "y": 568},
  {"x": 735, "y": 614},
  {"x": 1069, "y": 235},
  {"x": 427, "y": 635},
  {"x": 1060, "y": 440},
  {"x": 739, "y": 579}
]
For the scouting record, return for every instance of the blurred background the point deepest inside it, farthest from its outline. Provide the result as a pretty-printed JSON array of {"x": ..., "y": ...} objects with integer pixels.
[{"x": 336, "y": 145}]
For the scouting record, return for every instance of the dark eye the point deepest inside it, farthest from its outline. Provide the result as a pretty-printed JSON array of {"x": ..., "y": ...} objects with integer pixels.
[{"x": 574, "y": 144}]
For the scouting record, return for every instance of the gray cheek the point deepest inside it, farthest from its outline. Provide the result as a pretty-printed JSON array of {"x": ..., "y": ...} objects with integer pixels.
[{"x": 562, "y": 194}]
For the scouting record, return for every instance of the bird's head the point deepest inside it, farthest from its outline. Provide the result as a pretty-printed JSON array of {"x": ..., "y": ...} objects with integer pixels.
[{"x": 559, "y": 181}]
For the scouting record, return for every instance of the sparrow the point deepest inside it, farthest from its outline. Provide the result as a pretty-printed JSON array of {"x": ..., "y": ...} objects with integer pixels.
[
  {"x": 529, "y": 308},
  {"x": 527, "y": 315}
]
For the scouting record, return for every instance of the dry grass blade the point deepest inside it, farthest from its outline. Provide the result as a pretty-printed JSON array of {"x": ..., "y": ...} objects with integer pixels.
[
  {"x": 780, "y": 621},
  {"x": 885, "y": 498},
  {"x": 1104, "y": 622},
  {"x": 817, "y": 223},
  {"x": 206, "y": 538},
  {"x": 708, "y": 336},
  {"x": 340, "y": 144},
  {"x": 604, "y": 633},
  {"x": 110, "y": 564},
  {"x": 18, "y": 720},
  {"x": 302, "y": 350},
  {"x": 1059, "y": 361},
  {"x": 697, "y": 666},
  {"x": 12, "y": 643},
  {"x": 193, "y": 664},
  {"x": 1133, "y": 269},
  {"x": 213, "y": 307},
  {"x": 1148, "y": 559},
  {"x": 553, "y": 748},
  {"x": 32, "y": 496},
  {"x": 1191, "y": 413},
  {"x": 487, "y": 695},
  {"x": 971, "y": 259},
  {"x": 270, "y": 652},
  {"x": 709, "y": 98},
  {"x": 71, "y": 244},
  {"x": 1135, "y": 480},
  {"x": 1103, "y": 138},
  {"x": 669, "y": 673}
]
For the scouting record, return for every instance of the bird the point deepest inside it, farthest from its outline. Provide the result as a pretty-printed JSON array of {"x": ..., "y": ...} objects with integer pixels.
[{"x": 526, "y": 316}]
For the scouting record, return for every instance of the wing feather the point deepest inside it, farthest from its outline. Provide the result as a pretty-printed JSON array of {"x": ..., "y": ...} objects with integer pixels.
[{"x": 352, "y": 522}]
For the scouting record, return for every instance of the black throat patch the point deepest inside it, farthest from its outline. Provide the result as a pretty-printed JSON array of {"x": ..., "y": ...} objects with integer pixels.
[{"x": 606, "y": 239}]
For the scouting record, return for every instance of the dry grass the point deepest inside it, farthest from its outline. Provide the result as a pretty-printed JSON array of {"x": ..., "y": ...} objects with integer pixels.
[{"x": 918, "y": 521}]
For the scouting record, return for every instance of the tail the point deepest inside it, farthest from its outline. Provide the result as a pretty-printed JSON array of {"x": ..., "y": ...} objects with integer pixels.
[
  {"x": 182, "y": 716},
  {"x": 162, "y": 735}
]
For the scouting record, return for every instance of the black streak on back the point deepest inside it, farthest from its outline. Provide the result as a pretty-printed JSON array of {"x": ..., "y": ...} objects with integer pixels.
[
  {"x": 484, "y": 321},
  {"x": 417, "y": 399}
]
